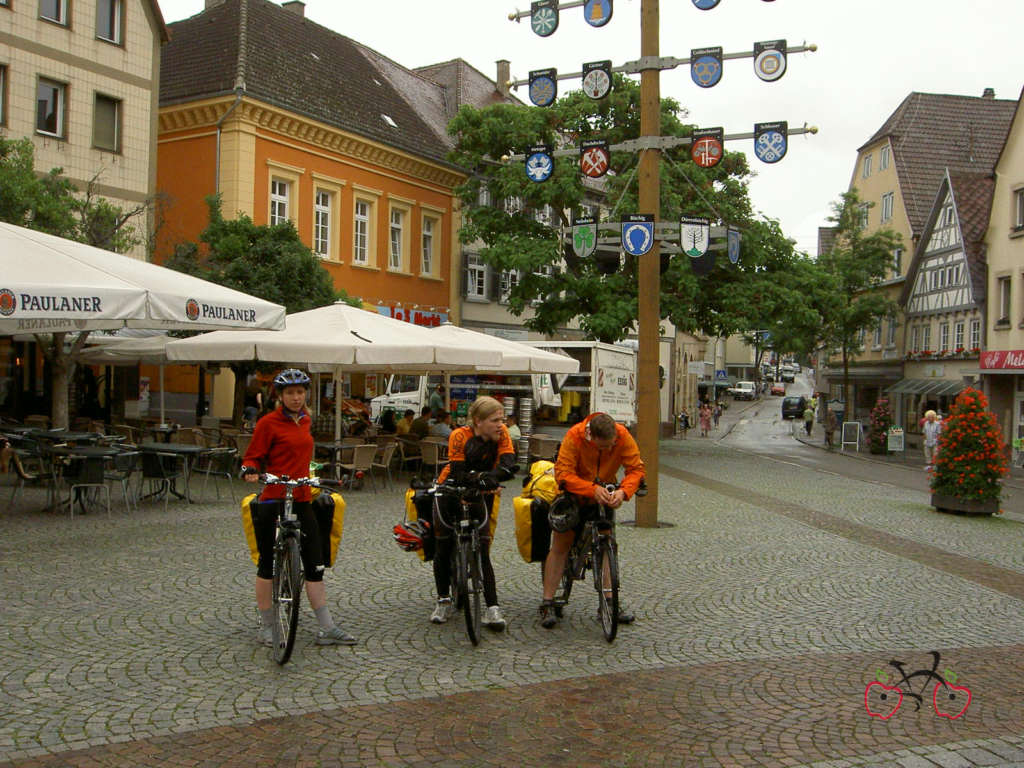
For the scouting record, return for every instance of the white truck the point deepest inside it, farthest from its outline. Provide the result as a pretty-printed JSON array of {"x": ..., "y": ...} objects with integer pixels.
[
  {"x": 606, "y": 382},
  {"x": 744, "y": 390}
]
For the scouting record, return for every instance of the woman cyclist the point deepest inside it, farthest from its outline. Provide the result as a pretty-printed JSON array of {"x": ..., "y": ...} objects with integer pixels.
[
  {"x": 282, "y": 444},
  {"x": 484, "y": 447}
]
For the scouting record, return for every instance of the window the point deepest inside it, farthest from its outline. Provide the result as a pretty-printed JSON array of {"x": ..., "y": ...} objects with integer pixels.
[
  {"x": 862, "y": 215},
  {"x": 1004, "y": 299},
  {"x": 397, "y": 231},
  {"x": 484, "y": 198},
  {"x": 883, "y": 158},
  {"x": 877, "y": 342},
  {"x": 897, "y": 261},
  {"x": 476, "y": 277},
  {"x": 891, "y": 339},
  {"x": 322, "y": 223},
  {"x": 512, "y": 205},
  {"x": 278, "y": 201},
  {"x": 944, "y": 337},
  {"x": 926, "y": 336},
  {"x": 428, "y": 245},
  {"x": 915, "y": 339},
  {"x": 54, "y": 10},
  {"x": 109, "y": 15},
  {"x": 3, "y": 92},
  {"x": 106, "y": 124},
  {"x": 1018, "y": 210},
  {"x": 975, "y": 334},
  {"x": 867, "y": 166},
  {"x": 887, "y": 206},
  {"x": 361, "y": 233},
  {"x": 509, "y": 280},
  {"x": 958, "y": 334},
  {"x": 50, "y": 100}
]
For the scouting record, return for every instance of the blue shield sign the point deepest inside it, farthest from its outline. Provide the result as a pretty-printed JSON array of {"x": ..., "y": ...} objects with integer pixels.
[
  {"x": 637, "y": 233},
  {"x": 770, "y": 141},
  {"x": 597, "y": 12},
  {"x": 733, "y": 242},
  {"x": 539, "y": 163},
  {"x": 706, "y": 5},
  {"x": 544, "y": 17},
  {"x": 706, "y": 66},
  {"x": 543, "y": 87}
]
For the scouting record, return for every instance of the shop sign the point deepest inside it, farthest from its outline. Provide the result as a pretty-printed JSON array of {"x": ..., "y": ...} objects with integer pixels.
[
  {"x": 1002, "y": 359},
  {"x": 414, "y": 316}
]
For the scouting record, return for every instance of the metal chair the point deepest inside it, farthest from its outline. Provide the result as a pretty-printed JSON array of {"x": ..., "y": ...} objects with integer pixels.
[
  {"x": 219, "y": 462},
  {"x": 24, "y": 476},
  {"x": 362, "y": 461},
  {"x": 161, "y": 469},
  {"x": 123, "y": 465},
  {"x": 85, "y": 472},
  {"x": 408, "y": 452},
  {"x": 382, "y": 461}
]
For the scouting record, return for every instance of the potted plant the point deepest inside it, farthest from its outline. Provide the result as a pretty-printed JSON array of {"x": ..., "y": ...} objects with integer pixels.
[
  {"x": 878, "y": 432},
  {"x": 971, "y": 458}
]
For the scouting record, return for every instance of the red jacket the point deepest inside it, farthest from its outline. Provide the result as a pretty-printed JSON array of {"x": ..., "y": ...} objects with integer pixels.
[
  {"x": 281, "y": 446},
  {"x": 580, "y": 462}
]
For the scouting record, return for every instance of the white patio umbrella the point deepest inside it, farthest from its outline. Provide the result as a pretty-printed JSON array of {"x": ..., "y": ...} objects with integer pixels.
[
  {"x": 126, "y": 350},
  {"x": 516, "y": 357},
  {"x": 344, "y": 338},
  {"x": 49, "y": 284}
]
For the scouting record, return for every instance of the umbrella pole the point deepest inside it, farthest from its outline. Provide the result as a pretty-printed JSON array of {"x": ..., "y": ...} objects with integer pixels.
[
  {"x": 337, "y": 405},
  {"x": 163, "y": 420}
]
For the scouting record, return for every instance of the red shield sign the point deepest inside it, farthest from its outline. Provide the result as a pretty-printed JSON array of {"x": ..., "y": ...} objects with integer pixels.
[
  {"x": 706, "y": 152},
  {"x": 594, "y": 161}
]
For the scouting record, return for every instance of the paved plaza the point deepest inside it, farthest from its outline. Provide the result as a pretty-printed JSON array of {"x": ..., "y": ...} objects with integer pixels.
[{"x": 763, "y": 611}]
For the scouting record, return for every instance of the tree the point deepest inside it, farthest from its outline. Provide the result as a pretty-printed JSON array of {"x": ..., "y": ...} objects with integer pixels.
[
  {"x": 270, "y": 262},
  {"x": 971, "y": 458},
  {"x": 849, "y": 299},
  {"x": 51, "y": 203},
  {"x": 721, "y": 302}
]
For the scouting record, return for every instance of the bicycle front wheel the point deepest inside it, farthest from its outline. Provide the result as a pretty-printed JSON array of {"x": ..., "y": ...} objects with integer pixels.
[
  {"x": 471, "y": 578},
  {"x": 287, "y": 598},
  {"x": 606, "y": 580}
]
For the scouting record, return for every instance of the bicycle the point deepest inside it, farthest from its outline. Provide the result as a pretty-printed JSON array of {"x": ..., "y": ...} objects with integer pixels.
[
  {"x": 467, "y": 583},
  {"x": 289, "y": 576},
  {"x": 596, "y": 549}
]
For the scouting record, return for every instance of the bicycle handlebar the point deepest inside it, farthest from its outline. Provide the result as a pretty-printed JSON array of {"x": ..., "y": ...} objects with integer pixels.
[{"x": 315, "y": 482}]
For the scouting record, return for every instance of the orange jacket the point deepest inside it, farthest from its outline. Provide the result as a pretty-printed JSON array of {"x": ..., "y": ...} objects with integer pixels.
[{"x": 580, "y": 462}]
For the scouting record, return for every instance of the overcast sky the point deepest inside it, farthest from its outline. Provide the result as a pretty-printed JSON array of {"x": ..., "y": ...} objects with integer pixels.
[{"x": 871, "y": 54}]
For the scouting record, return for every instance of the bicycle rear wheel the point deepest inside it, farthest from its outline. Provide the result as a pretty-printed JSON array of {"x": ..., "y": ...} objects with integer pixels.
[
  {"x": 287, "y": 590},
  {"x": 607, "y": 597}
]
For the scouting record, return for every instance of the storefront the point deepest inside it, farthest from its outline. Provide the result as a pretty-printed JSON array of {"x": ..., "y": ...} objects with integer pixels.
[{"x": 1003, "y": 383}]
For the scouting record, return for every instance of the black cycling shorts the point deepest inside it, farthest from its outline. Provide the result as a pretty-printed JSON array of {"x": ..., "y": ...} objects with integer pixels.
[{"x": 310, "y": 547}]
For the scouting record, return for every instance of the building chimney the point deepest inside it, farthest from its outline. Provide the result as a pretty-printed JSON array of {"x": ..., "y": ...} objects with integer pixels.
[
  {"x": 504, "y": 75},
  {"x": 295, "y": 6},
  {"x": 988, "y": 93}
]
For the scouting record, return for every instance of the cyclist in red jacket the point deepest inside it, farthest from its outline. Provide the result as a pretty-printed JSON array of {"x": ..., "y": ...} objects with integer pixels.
[{"x": 282, "y": 444}]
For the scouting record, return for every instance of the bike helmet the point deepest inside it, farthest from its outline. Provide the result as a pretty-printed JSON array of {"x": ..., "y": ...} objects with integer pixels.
[
  {"x": 564, "y": 514},
  {"x": 409, "y": 535},
  {"x": 291, "y": 377}
]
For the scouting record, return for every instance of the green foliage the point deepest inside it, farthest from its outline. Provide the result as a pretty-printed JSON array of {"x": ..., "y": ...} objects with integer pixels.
[
  {"x": 765, "y": 285},
  {"x": 878, "y": 432},
  {"x": 971, "y": 458}
]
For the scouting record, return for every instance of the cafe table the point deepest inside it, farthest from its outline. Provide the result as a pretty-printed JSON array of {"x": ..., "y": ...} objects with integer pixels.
[{"x": 188, "y": 451}]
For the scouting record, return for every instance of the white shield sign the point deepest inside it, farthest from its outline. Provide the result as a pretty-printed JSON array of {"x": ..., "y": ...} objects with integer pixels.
[{"x": 694, "y": 236}]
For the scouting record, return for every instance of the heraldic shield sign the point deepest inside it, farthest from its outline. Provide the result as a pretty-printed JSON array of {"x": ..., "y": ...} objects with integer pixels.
[
  {"x": 733, "y": 245},
  {"x": 706, "y": 149},
  {"x": 540, "y": 163},
  {"x": 544, "y": 17},
  {"x": 637, "y": 233},
  {"x": 771, "y": 141},
  {"x": 597, "y": 79},
  {"x": 584, "y": 236},
  {"x": 770, "y": 59},
  {"x": 543, "y": 87},
  {"x": 594, "y": 157},
  {"x": 706, "y": 5},
  {"x": 597, "y": 12},
  {"x": 706, "y": 66},
  {"x": 694, "y": 236}
]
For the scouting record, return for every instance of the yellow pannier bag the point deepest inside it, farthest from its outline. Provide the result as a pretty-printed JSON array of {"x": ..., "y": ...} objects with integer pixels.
[
  {"x": 541, "y": 484},
  {"x": 533, "y": 534},
  {"x": 329, "y": 509}
]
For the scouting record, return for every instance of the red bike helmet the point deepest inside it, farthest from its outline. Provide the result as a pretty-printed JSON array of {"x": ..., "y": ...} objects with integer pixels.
[{"x": 409, "y": 535}]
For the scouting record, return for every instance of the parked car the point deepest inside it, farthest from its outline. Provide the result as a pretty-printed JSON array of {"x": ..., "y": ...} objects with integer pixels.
[
  {"x": 778, "y": 389},
  {"x": 793, "y": 407},
  {"x": 787, "y": 373},
  {"x": 744, "y": 390}
]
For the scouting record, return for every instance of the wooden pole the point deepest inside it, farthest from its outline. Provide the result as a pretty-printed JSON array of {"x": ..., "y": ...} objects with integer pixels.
[{"x": 648, "y": 272}]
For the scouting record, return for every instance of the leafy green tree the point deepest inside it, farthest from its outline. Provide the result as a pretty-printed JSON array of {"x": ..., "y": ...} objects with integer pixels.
[
  {"x": 849, "y": 300},
  {"x": 270, "y": 262},
  {"x": 721, "y": 302}
]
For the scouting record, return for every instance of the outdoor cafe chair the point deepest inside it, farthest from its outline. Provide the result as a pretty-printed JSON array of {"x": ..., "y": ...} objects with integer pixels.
[
  {"x": 408, "y": 452},
  {"x": 161, "y": 469},
  {"x": 219, "y": 462},
  {"x": 83, "y": 472},
  {"x": 432, "y": 455},
  {"x": 362, "y": 461},
  {"x": 23, "y": 476},
  {"x": 382, "y": 461},
  {"x": 123, "y": 465}
]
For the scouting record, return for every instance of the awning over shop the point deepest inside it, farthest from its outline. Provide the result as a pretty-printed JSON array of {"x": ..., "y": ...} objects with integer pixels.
[{"x": 926, "y": 387}]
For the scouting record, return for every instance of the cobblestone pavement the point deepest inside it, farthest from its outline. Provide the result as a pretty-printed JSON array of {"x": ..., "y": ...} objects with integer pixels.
[{"x": 763, "y": 614}]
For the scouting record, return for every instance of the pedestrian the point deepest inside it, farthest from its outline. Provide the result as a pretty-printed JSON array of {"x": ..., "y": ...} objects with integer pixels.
[
  {"x": 437, "y": 400},
  {"x": 808, "y": 419},
  {"x": 716, "y": 414},
  {"x": 513, "y": 429},
  {"x": 830, "y": 423},
  {"x": 441, "y": 426},
  {"x": 931, "y": 430},
  {"x": 705, "y": 419},
  {"x": 684, "y": 421}
]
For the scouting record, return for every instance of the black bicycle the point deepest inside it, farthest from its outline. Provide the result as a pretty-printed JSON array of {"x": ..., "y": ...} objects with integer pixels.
[
  {"x": 289, "y": 577},
  {"x": 467, "y": 580},
  {"x": 597, "y": 550}
]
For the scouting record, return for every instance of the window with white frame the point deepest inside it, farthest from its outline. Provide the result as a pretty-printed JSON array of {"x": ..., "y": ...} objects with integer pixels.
[
  {"x": 891, "y": 338},
  {"x": 106, "y": 123},
  {"x": 396, "y": 240},
  {"x": 958, "y": 334},
  {"x": 484, "y": 197},
  {"x": 862, "y": 215},
  {"x": 926, "y": 336},
  {"x": 944, "y": 337},
  {"x": 915, "y": 339},
  {"x": 51, "y": 98},
  {"x": 509, "y": 280},
  {"x": 1003, "y": 285},
  {"x": 54, "y": 10},
  {"x": 897, "y": 261},
  {"x": 1018, "y": 210},
  {"x": 361, "y": 232},
  {"x": 476, "y": 277},
  {"x": 877, "y": 341},
  {"x": 883, "y": 158},
  {"x": 322, "y": 204},
  {"x": 861, "y": 335},
  {"x": 109, "y": 20},
  {"x": 975, "y": 334},
  {"x": 866, "y": 169},
  {"x": 887, "y": 199},
  {"x": 512, "y": 205},
  {"x": 428, "y": 245},
  {"x": 279, "y": 190}
]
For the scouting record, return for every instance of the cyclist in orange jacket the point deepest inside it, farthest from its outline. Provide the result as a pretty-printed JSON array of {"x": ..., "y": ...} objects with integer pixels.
[{"x": 590, "y": 456}]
